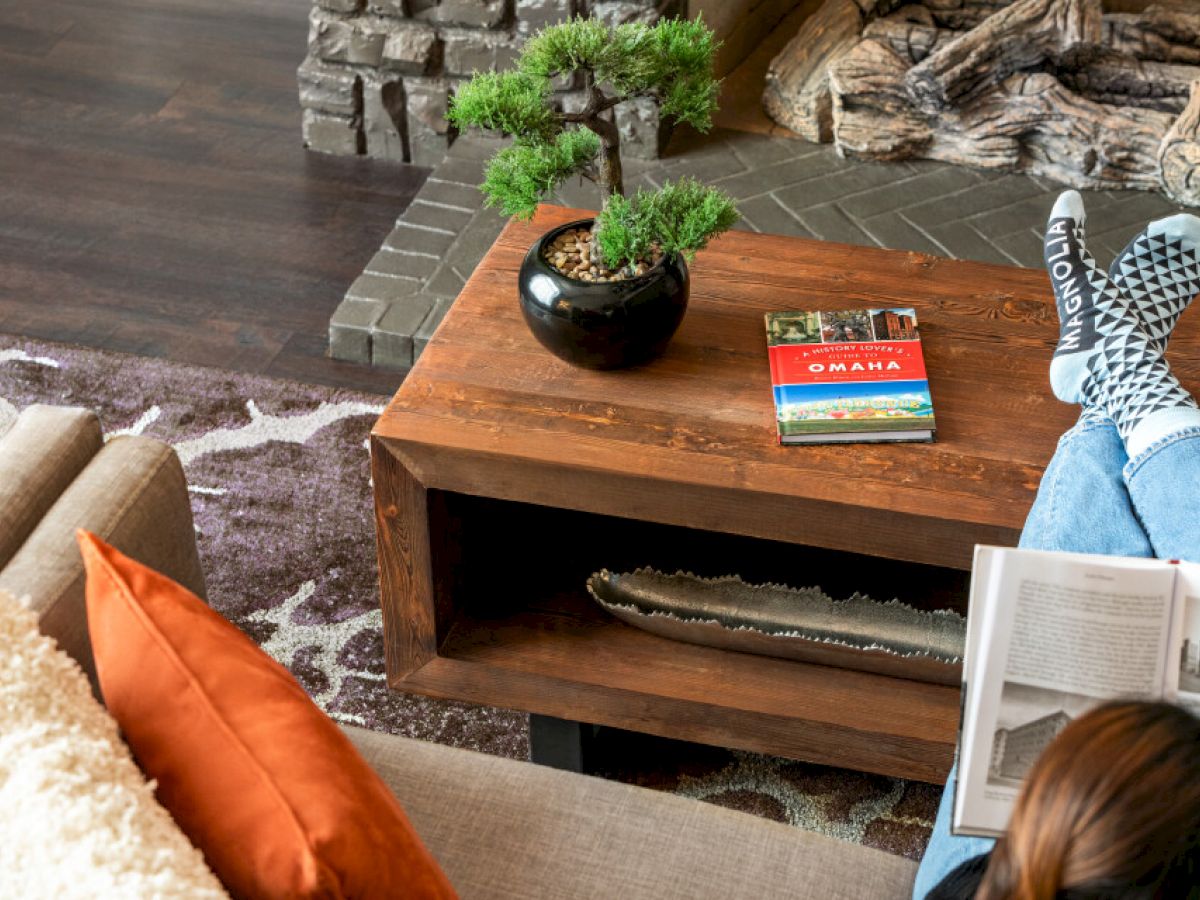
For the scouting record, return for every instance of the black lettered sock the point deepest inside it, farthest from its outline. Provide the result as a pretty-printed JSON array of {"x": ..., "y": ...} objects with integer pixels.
[
  {"x": 1104, "y": 358},
  {"x": 1089, "y": 305}
]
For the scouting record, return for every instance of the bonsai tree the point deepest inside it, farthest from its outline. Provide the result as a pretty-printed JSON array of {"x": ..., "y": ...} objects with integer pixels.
[{"x": 672, "y": 62}]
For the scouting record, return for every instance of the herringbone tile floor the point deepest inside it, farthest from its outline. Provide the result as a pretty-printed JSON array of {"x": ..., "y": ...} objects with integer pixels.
[
  {"x": 782, "y": 185},
  {"x": 794, "y": 187}
]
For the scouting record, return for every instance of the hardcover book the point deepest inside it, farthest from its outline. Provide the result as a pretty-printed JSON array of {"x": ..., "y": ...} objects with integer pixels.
[
  {"x": 849, "y": 375},
  {"x": 1051, "y": 635}
]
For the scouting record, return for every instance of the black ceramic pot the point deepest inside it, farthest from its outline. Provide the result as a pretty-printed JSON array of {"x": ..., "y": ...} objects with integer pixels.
[{"x": 607, "y": 325}]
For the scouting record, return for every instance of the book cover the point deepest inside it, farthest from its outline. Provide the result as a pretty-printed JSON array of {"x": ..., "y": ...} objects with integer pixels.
[{"x": 849, "y": 375}]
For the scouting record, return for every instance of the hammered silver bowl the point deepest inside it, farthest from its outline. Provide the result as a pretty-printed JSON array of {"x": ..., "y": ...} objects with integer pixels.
[{"x": 888, "y": 638}]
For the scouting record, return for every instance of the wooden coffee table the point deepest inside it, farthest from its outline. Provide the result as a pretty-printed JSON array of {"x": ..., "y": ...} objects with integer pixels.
[{"x": 504, "y": 477}]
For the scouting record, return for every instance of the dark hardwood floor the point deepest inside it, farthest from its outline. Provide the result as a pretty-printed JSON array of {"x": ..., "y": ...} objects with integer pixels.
[{"x": 154, "y": 196}]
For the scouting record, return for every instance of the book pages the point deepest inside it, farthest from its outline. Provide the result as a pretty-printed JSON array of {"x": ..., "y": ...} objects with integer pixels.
[
  {"x": 1061, "y": 633},
  {"x": 1182, "y": 681}
]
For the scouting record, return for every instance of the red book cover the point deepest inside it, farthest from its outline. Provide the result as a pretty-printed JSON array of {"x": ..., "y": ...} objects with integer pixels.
[{"x": 849, "y": 375}]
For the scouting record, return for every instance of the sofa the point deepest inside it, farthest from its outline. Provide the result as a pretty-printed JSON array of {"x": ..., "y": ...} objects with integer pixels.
[{"x": 498, "y": 827}]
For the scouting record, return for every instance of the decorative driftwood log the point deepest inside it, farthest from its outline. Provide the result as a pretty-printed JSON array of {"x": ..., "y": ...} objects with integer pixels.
[
  {"x": 1107, "y": 77},
  {"x": 1114, "y": 79},
  {"x": 1071, "y": 138},
  {"x": 1179, "y": 157},
  {"x": 1022, "y": 36},
  {"x": 1051, "y": 87},
  {"x": 911, "y": 40},
  {"x": 875, "y": 119},
  {"x": 1029, "y": 122},
  {"x": 960, "y": 14},
  {"x": 1163, "y": 33},
  {"x": 797, "y": 91}
]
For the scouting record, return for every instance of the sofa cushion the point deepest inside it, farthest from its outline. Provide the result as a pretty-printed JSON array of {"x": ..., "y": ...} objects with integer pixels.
[
  {"x": 43, "y": 451},
  {"x": 256, "y": 775},
  {"x": 507, "y": 829},
  {"x": 133, "y": 494},
  {"x": 78, "y": 819}
]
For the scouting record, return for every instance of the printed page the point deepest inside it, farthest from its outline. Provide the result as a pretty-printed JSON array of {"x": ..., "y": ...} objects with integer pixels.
[
  {"x": 1182, "y": 681},
  {"x": 1062, "y": 633},
  {"x": 984, "y": 570}
]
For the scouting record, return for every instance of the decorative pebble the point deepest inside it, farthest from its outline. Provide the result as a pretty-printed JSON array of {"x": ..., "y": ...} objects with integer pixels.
[{"x": 570, "y": 253}]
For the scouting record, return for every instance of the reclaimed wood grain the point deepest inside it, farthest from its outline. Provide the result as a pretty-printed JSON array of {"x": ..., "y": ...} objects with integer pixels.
[
  {"x": 527, "y": 469},
  {"x": 608, "y": 673},
  {"x": 689, "y": 438},
  {"x": 405, "y": 570},
  {"x": 531, "y": 474}
]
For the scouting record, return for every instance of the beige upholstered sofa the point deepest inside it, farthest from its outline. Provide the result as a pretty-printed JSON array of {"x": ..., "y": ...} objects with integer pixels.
[{"x": 499, "y": 828}]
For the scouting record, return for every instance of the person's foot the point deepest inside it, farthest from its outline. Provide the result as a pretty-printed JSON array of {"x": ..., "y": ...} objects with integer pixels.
[
  {"x": 1159, "y": 272},
  {"x": 1091, "y": 310},
  {"x": 1104, "y": 358}
]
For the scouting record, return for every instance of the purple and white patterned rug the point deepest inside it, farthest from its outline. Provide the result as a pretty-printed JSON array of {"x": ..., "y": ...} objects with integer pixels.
[{"x": 279, "y": 478}]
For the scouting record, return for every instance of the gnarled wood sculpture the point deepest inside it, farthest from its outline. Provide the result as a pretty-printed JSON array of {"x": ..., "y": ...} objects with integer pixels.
[{"x": 1050, "y": 87}]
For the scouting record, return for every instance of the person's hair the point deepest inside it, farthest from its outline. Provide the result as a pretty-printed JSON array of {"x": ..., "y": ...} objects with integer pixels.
[{"x": 1111, "y": 809}]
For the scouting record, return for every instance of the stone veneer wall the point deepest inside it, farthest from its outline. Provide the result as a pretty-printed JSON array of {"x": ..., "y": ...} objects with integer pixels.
[{"x": 379, "y": 73}]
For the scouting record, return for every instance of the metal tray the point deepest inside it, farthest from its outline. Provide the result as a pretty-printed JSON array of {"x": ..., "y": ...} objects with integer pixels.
[{"x": 804, "y": 624}]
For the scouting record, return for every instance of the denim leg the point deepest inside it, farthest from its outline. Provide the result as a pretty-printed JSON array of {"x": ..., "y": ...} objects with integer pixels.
[
  {"x": 1082, "y": 506},
  {"x": 1164, "y": 483}
]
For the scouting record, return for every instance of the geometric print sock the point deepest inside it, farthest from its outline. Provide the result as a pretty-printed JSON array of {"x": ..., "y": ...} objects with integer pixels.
[
  {"x": 1105, "y": 359},
  {"x": 1159, "y": 273}
]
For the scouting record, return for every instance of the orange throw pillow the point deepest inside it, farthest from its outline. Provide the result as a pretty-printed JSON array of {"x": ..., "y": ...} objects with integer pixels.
[{"x": 261, "y": 781}]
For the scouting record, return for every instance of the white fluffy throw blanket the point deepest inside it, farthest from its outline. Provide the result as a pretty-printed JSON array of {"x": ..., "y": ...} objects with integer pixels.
[{"x": 77, "y": 818}]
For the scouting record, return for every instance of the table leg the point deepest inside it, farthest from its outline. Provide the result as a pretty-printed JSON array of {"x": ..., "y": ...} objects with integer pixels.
[{"x": 560, "y": 743}]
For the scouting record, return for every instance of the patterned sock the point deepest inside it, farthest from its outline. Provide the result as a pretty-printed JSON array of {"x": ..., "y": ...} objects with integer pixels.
[
  {"x": 1104, "y": 358},
  {"x": 1159, "y": 273}
]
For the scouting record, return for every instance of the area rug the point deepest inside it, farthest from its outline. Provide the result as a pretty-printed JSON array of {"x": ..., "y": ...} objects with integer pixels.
[{"x": 279, "y": 477}]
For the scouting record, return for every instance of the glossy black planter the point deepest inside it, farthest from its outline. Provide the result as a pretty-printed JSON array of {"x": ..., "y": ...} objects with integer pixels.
[{"x": 601, "y": 326}]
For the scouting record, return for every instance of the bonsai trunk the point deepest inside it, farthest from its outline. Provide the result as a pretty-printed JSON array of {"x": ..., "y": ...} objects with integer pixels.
[
  {"x": 610, "y": 157},
  {"x": 609, "y": 173}
]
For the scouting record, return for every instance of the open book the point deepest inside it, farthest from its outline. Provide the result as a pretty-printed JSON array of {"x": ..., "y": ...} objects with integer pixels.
[{"x": 1050, "y": 635}]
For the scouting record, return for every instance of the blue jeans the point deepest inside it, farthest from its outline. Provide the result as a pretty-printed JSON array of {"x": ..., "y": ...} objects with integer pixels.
[{"x": 1094, "y": 499}]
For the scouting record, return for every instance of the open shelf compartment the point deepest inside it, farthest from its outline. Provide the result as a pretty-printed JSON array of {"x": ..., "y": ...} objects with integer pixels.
[{"x": 516, "y": 627}]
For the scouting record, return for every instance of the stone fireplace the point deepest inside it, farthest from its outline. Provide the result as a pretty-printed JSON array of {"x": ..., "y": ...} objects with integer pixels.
[
  {"x": 1092, "y": 94},
  {"x": 379, "y": 73},
  {"x": 972, "y": 179}
]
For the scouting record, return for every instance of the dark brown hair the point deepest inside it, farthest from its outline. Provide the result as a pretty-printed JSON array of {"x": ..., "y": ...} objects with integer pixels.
[{"x": 1111, "y": 809}]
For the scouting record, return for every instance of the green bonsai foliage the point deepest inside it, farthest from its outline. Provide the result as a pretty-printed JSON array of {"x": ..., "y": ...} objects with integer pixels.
[
  {"x": 681, "y": 217},
  {"x": 506, "y": 101},
  {"x": 518, "y": 177},
  {"x": 671, "y": 62}
]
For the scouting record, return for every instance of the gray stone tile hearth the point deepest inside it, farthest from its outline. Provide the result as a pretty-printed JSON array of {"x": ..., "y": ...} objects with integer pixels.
[{"x": 783, "y": 186}]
